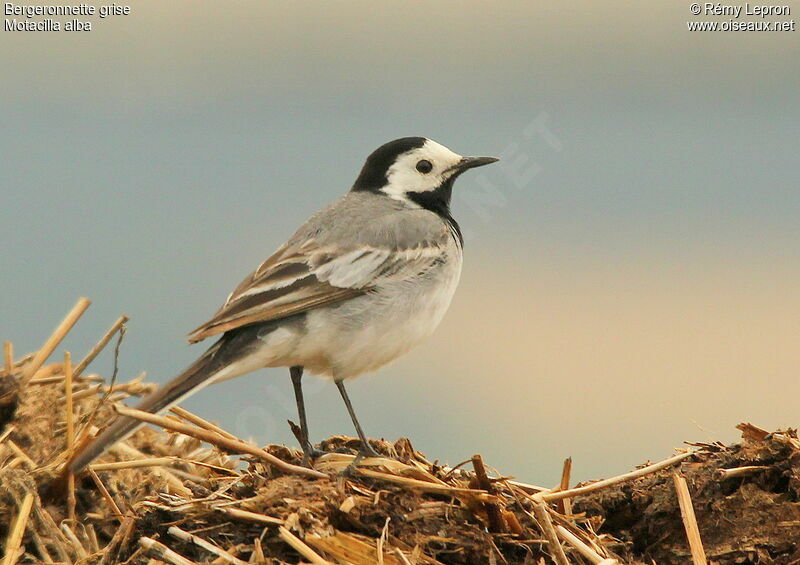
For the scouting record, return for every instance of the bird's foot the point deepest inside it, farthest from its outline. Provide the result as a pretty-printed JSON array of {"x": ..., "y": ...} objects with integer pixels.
[
  {"x": 311, "y": 453},
  {"x": 365, "y": 452}
]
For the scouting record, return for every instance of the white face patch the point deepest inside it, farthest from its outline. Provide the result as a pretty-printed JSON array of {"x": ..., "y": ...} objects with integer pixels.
[{"x": 404, "y": 177}]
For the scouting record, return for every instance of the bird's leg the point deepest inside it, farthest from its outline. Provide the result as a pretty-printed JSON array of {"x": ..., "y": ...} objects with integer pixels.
[
  {"x": 366, "y": 449},
  {"x": 296, "y": 373}
]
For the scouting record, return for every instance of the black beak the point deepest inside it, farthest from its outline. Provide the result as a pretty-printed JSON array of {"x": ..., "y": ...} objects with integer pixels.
[{"x": 472, "y": 162}]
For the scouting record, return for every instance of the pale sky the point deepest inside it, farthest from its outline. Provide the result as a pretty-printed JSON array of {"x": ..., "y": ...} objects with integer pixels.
[{"x": 632, "y": 265}]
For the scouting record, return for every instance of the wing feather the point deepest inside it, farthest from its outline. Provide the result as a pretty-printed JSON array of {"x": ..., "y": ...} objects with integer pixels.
[{"x": 295, "y": 280}]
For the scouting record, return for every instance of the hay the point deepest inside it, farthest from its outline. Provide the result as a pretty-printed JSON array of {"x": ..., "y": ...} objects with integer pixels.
[{"x": 190, "y": 492}]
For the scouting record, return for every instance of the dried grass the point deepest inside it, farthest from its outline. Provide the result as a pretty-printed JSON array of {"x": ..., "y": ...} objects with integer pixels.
[{"x": 191, "y": 492}]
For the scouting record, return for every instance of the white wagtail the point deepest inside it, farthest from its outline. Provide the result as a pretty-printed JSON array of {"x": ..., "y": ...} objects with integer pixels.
[{"x": 359, "y": 284}]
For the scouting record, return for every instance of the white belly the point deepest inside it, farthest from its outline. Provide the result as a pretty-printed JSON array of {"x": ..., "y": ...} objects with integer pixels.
[{"x": 369, "y": 331}]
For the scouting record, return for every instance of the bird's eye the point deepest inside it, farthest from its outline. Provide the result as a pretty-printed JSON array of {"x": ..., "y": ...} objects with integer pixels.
[{"x": 424, "y": 166}]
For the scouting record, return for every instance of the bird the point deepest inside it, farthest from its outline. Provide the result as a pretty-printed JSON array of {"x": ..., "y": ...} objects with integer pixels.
[{"x": 359, "y": 284}]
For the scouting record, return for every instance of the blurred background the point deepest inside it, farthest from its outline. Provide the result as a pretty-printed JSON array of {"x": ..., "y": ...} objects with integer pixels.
[{"x": 632, "y": 265}]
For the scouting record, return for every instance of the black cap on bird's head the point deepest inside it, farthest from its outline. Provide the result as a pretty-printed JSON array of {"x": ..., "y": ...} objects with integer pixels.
[
  {"x": 373, "y": 174},
  {"x": 412, "y": 166},
  {"x": 419, "y": 172}
]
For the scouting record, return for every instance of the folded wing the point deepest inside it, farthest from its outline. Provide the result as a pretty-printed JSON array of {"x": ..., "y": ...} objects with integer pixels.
[{"x": 298, "y": 279}]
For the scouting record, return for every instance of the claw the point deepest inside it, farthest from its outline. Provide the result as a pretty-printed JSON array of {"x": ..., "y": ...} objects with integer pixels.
[
  {"x": 367, "y": 451},
  {"x": 310, "y": 453}
]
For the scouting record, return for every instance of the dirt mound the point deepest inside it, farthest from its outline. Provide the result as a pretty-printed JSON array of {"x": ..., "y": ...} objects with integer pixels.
[
  {"x": 746, "y": 498},
  {"x": 169, "y": 496},
  {"x": 189, "y": 492}
]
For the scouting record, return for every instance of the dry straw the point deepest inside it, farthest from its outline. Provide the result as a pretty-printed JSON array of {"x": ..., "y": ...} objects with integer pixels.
[{"x": 187, "y": 491}]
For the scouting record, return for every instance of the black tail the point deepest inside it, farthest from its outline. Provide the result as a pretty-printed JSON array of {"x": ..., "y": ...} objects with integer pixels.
[{"x": 231, "y": 347}]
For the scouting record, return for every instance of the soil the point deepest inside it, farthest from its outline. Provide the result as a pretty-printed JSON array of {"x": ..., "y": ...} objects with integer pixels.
[
  {"x": 746, "y": 498},
  {"x": 750, "y": 519}
]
